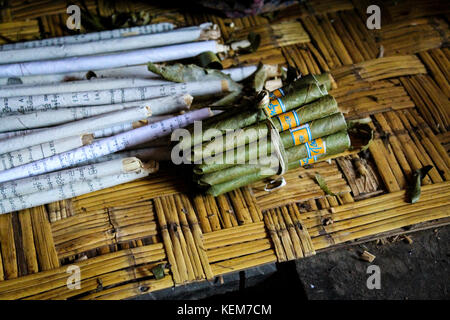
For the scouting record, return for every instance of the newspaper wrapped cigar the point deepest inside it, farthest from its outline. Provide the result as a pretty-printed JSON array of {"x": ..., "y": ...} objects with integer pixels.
[
  {"x": 126, "y": 126},
  {"x": 206, "y": 31},
  {"x": 112, "y": 60},
  {"x": 237, "y": 119},
  {"x": 243, "y": 175},
  {"x": 92, "y": 98},
  {"x": 140, "y": 71},
  {"x": 323, "y": 107},
  {"x": 75, "y": 128},
  {"x": 104, "y": 146},
  {"x": 23, "y": 156},
  {"x": 91, "y": 36},
  {"x": 94, "y": 84},
  {"x": 144, "y": 154},
  {"x": 47, "y": 118},
  {"x": 71, "y": 190},
  {"x": 292, "y": 137},
  {"x": 50, "y": 181}
]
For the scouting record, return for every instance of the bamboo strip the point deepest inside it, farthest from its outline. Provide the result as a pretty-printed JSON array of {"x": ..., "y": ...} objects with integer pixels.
[
  {"x": 132, "y": 289},
  {"x": 292, "y": 232},
  {"x": 28, "y": 241},
  {"x": 167, "y": 240},
  {"x": 407, "y": 144},
  {"x": 279, "y": 250},
  {"x": 382, "y": 226},
  {"x": 443, "y": 163},
  {"x": 51, "y": 279},
  {"x": 245, "y": 262},
  {"x": 237, "y": 250},
  {"x": 302, "y": 231},
  {"x": 224, "y": 233},
  {"x": 8, "y": 248},
  {"x": 202, "y": 213},
  {"x": 242, "y": 213},
  {"x": 198, "y": 237},
  {"x": 174, "y": 222},
  {"x": 422, "y": 154},
  {"x": 193, "y": 252}
]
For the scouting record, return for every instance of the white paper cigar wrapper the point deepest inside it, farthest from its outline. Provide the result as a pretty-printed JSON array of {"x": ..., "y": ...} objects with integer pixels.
[
  {"x": 112, "y": 60},
  {"x": 50, "y": 181},
  {"x": 126, "y": 126},
  {"x": 26, "y": 155},
  {"x": 75, "y": 128},
  {"x": 69, "y": 190},
  {"x": 76, "y": 86},
  {"x": 140, "y": 71},
  {"x": 102, "y": 97},
  {"x": 91, "y": 36},
  {"x": 104, "y": 146},
  {"x": 144, "y": 154},
  {"x": 181, "y": 35},
  {"x": 50, "y": 117}
]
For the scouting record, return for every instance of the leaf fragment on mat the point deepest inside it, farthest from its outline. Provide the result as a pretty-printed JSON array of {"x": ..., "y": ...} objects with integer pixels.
[
  {"x": 323, "y": 185},
  {"x": 419, "y": 174},
  {"x": 158, "y": 271}
]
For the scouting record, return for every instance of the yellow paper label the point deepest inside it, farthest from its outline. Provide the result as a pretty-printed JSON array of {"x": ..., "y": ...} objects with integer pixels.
[
  {"x": 316, "y": 147},
  {"x": 288, "y": 120},
  {"x": 278, "y": 93},
  {"x": 276, "y": 106},
  {"x": 306, "y": 161},
  {"x": 301, "y": 134}
]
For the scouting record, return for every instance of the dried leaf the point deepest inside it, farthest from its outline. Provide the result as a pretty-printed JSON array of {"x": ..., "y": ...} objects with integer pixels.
[
  {"x": 185, "y": 73},
  {"x": 158, "y": 271},
  {"x": 259, "y": 78},
  {"x": 323, "y": 185},
  {"x": 414, "y": 191},
  {"x": 209, "y": 60}
]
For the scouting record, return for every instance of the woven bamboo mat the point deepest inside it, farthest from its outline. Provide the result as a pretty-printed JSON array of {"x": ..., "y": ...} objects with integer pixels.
[{"x": 155, "y": 233}]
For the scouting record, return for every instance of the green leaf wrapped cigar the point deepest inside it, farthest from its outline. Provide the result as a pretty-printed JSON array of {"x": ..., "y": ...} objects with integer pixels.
[
  {"x": 321, "y": 79},
  {"x": 292, "y": 137},
  {"x": 321, "y": 108},
  {"x": 335, "y": 144},
  {"x": 242, "y": 119},
  {"x": 311, "y": 150}
]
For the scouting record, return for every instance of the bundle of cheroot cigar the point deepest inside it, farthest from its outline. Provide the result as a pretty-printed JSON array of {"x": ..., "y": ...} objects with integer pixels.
[
  {"x": 290, "y": 127},
  {"x": 63, "y": 133}
]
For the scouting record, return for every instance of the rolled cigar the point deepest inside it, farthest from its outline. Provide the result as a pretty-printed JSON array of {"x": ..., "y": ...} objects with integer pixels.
[
  {"x": 71, "y": 190},
  {"x": 104, "y": 146},
  {"x": 91, "y": 36},
  {"x": 237, "y": 119},
  {"x": 93, "y": 84},
  {"x": 111, "y": 60},
  {"x": 45, "y": 118},
  {"x": 313, "y": 148},
  {"x": 324, "y": 79},
  {"x": 246, "y": 175},
  {"x": 206, "y": 31},
  {"x": 126, "y": 126},
  {"x": 50, "y": 181},
  {"x": 143, "y": 154},
  {"x": 102, "y": 97},
  {"x": 47, "y": 149},
  {"x": 321, "y": 108},
  {"x": 292, "y": 137},
  {"x": 75, "y": 128},
  {"x": 139, "y": 71}
]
